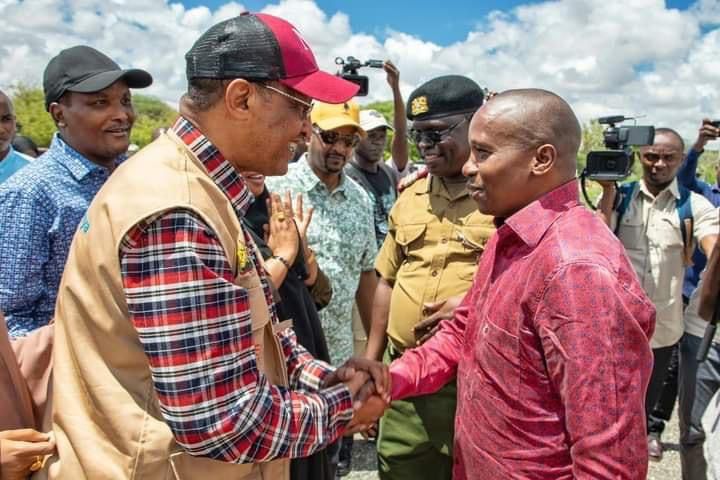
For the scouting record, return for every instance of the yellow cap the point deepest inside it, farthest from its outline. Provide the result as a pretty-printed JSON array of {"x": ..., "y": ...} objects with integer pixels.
[{"x": 331, "y": 116}]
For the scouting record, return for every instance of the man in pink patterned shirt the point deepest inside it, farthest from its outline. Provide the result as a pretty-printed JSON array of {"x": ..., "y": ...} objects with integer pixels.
[{"x": 550, "y": 345}]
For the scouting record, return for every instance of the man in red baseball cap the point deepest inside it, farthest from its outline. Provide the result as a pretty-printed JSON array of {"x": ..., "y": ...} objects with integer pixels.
[{"x": 170, "y": 360}]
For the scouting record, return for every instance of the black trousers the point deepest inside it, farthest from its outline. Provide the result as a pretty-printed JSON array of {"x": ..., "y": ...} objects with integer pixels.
[
  {"x": 663, "y": 409},
  {"x": 661, "y": 361}
]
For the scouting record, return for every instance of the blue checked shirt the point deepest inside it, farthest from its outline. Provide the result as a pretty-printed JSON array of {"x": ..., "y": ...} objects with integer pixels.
[{"x": 40, "y": 208}]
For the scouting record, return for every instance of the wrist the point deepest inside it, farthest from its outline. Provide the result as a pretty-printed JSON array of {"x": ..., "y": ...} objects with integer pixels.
[
  {"x": 286, "y": 253},
  {"x": 699, "y": 147},
  {"x": 282, "y": 260}
]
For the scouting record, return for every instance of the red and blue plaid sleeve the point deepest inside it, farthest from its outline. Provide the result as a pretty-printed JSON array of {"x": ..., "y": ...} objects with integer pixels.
[
  {"x": 195, "y": 327},
  {"x": 305, "y": 372}
]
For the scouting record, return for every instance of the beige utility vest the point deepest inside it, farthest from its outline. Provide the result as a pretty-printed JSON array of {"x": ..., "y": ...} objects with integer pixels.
[{"x": 106, "y": 415}]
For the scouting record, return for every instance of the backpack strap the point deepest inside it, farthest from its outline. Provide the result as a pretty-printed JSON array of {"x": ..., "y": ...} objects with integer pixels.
[
  {"x": 354, "y": 172},
  {"x": 684, "y": 211},
  {"x": 625, "y": 194},
  {"x": 391, "y": 174}
]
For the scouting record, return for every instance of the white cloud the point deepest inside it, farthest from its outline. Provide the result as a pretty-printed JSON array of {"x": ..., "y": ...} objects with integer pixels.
[{"x": 616, "y": 56}]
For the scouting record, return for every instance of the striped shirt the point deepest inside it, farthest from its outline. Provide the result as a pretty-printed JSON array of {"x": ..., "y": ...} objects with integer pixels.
[{"x": 195, "y": 326}]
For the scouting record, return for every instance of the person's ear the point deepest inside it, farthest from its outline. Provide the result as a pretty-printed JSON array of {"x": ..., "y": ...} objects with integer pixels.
[
  {"x": 544, "y": 159},
  {"x": 58, "y": 114},
  {"x": 238, "y": 95}
]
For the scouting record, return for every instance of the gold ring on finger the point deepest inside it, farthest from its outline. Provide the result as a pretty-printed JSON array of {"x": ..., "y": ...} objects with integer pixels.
[
  {"x": 37, "y": 464},
  {"x": 280, "y": 217}
]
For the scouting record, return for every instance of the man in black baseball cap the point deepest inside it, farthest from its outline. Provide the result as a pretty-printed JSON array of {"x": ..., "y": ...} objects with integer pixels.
[
  {"x": 166, "y": 328},
  {"x": 83, "y": 69},
  {"x": 88, "y": 97}
]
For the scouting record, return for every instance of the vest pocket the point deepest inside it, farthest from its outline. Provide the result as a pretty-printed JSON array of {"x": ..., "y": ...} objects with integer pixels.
[{"x": 184, "y": 466}]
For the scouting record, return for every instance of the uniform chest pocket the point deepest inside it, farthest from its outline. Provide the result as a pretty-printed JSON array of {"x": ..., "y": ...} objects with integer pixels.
[
  {"x": 410, "y": 239},
  {"x": 631, "y": 233},
  {"x": 666, "y": 232},
  {"x": 472, "y": 240},
  {"x": 497, "y": 356}
]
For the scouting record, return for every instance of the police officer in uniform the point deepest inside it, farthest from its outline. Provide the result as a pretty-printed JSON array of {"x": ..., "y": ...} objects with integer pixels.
[{"x": 429, "y": 257}]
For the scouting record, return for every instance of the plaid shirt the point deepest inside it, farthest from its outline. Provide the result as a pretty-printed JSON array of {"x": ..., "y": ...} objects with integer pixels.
[{"x": 195, "y": 326}]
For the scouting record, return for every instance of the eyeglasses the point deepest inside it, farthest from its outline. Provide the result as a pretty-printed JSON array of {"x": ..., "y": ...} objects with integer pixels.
[
  {"x": 432, "y": 136},
  {"x": 306, "y": 106},
  {"x": 330, "y": 137}
]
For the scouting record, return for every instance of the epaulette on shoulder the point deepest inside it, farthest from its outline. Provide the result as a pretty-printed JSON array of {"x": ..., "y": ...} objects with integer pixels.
[{"x": 412, "y": 178}]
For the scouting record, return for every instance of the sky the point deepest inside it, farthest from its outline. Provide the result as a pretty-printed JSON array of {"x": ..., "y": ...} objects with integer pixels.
[{"x": 651, "y": 58}]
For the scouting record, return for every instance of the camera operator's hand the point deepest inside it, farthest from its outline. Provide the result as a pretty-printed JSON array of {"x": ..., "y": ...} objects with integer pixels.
[
  {"x": 706, "y": 133},
  {"x": 393, "y": 74},
  {"x": 607, "y": 201}
]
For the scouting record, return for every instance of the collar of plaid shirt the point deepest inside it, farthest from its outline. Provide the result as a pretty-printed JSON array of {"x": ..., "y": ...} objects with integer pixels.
[{"x": 218, "y": 168}]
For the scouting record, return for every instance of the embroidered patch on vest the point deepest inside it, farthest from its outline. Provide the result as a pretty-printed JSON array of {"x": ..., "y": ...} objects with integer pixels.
[{"x": 242, "y": 257}]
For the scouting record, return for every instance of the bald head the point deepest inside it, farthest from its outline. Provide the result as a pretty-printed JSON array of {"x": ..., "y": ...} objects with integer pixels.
[
  {"x": 523, "y": 145},
  {"x": 536, "y": 117},
  {"x": 7, "y": 124}
]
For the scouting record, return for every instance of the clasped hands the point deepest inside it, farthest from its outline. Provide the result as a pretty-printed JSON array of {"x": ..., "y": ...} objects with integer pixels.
[{"x": 369, "y": 384}]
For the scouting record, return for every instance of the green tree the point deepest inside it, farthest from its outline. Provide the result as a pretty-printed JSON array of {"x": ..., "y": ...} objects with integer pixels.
[
  {"x": 151, "y": 113},
  {"x": 36, "y": 123},
  {"x": 33, "y": 120}
]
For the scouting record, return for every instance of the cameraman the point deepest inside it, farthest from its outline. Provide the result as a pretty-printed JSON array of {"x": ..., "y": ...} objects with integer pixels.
[
  {"x": 698, "y": 381},
  {"x": 652, "y": 234}
]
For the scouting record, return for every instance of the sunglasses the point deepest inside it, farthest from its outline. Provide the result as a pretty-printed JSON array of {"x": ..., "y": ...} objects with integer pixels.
[
  {"x": 330, "y": 137},
  {"x": 305, "y": 107},
  {"x": 432, "y": 136}
]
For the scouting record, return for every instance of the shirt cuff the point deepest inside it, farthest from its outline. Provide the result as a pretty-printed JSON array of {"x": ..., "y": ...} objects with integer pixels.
[
  {"x": 402, "y": 385},
  {"x": 340, "y": 403},
  {"x": 313, "y": 375}
]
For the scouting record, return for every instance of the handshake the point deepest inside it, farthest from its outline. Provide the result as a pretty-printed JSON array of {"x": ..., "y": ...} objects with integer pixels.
[{"x": 369, "y": 384}]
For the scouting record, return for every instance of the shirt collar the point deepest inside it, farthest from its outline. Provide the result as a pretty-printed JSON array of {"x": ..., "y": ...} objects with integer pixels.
[
  {"x": 9, "y": 154},
  {"x": 76, "y": 163},
  {"x": 531, "y": 222},
  {"x": 218, "y": 168},
  {"x": 309, "y": 181},
  {"x": 436, "y": 186},
  {"x": 673, "y": 189}
]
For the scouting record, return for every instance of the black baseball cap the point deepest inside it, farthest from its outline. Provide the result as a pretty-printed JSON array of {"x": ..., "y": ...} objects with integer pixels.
[
  {"x": 258, "y": 47},
  {"x": 444, "y": 96},
  {"x": 83, "y": 69}
]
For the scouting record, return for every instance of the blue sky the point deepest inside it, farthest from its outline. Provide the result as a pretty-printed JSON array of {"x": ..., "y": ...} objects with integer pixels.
[{"x": 439, "y": 25}]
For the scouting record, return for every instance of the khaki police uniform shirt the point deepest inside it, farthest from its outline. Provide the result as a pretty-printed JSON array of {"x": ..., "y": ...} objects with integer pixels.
[
  {"x": 430, "y": 253},
  {"x": 650, "y": 232}
]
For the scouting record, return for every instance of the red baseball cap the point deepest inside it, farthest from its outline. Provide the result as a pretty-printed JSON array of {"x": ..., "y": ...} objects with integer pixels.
[{"x": 264, "y": 47}]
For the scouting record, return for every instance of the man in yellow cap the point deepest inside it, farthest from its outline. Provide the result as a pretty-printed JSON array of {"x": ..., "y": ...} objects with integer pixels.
[{"x": 342, "y": 232}]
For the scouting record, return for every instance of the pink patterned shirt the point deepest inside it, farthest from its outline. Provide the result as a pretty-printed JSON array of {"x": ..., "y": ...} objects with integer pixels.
[{"x": 551, "y": 352}]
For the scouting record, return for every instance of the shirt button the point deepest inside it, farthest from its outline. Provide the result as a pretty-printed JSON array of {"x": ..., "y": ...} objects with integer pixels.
[
  {"x": 486, "y": 329},
  {"x": 434, "y": 273},
  {"x": 444, "y": 240}
]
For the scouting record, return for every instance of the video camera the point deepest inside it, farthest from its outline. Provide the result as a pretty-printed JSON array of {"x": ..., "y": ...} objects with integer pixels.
[
  {"x": 349, "y": 71},
  {"x": 615, "y": 163}
]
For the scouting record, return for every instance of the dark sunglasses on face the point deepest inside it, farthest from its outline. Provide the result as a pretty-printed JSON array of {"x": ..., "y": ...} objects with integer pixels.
[
  {"x": 330, "y": 137},
  {"x": 432, "y": 136}
]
